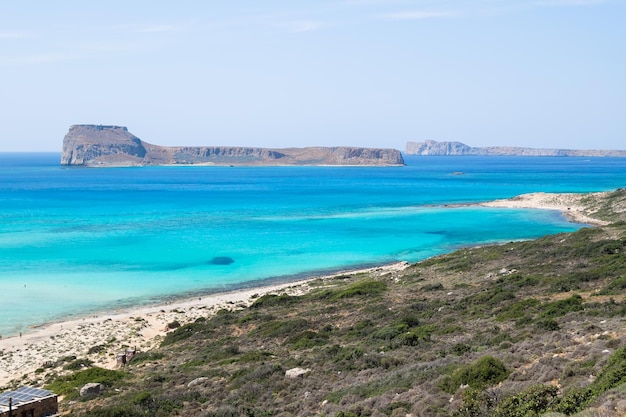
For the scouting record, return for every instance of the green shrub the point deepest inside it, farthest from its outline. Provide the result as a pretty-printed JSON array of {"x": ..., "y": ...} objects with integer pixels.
[
  {"x": 362, "y": 328},
  {"x": 254, "y": 356},
  {"x": 307, "y": 339},
  {"x": 486, "y": 300},
  {"x": 369, "y": 288},
  {"x": 530, "y": 402},
  {"x": 78, "y": 364},
  {"x": 390, "y": 332},
  {"x": 147, "y": 356},
  {"x": 562, "y": 307},
  {"x": 476, "y": 403},
  {"x": 95, "y": 349},
  {"x": 342, "y": 354},
  {"x": 461, "y": 349},
  {"x": 483, "y": 373},
  {"x": 424, "y": 332},
  {"x": 615, "y": 285},
  {"x": 573, "y": 401},
  {"x": 173, "y": 325},
  {"x": 278, "y": 328},
  {"x": 255, "y": 316},
  {"x": 69, "y": 384},
  {"x": 142, "y": 398},
  {"x": 408, "y": 339},
  {"x": 410, "y": 319},
  {"x": 518, "y": 309},
  {"x": 612, "y": 374},
  {"x": 433, "y": 287},
  {"x": 117, "y": 411},
  {"x": 269, "y": 300},
  {"x": 548, "y": 325},
  {"x": 186, "y": 331}
]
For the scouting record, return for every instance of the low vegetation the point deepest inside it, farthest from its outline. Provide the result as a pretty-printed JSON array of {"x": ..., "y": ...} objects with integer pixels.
[{"x": 518, "y": 329}]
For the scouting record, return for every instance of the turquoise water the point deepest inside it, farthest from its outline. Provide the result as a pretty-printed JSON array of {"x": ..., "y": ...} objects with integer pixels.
[{"x": 75, "y": 241}]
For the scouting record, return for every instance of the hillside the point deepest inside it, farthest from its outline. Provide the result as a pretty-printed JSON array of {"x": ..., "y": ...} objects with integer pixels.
[
  {"x": 517, "y": 329},
  {"x": 431, "y": 147},
  {"x": 101, "y": 146}
]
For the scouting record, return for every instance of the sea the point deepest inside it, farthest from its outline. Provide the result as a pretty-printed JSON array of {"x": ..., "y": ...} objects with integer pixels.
[{"x": 79, "y": 241}]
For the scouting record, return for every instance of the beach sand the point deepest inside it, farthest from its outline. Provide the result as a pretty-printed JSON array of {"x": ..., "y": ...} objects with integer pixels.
[
  {"x": 570, "y": 204},
  {"x": 142, "y": 328}
]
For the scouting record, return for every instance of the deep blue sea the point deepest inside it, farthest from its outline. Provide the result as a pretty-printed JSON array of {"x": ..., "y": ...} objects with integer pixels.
[{"x": 75, "y": 241}]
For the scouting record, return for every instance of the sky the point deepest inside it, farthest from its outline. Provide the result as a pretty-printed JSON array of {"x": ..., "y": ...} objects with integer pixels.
[{"x": 270, "y": 73}]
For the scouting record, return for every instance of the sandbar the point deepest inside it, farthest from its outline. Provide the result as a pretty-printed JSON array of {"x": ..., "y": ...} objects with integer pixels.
[{"x": 570, "y": 204}]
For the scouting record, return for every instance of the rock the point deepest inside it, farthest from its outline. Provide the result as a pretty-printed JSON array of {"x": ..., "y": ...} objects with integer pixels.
[
  {"x": 296, "y": 372},
  {"x": 431, "y": 147},
  {"x": 97, "y": 145},
  {"x": 221, "y": 260},
  {"x": 92, "y": 388},
  {"x": 197, "y": 381}
]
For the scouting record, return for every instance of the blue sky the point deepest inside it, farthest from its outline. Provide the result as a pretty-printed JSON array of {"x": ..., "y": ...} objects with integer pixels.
[{"x": 539, "y": 73}]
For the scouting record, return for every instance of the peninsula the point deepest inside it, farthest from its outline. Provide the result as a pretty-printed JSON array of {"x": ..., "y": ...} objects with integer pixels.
[
  {"x": 102, "y": 146},
  {"x": 431, "y": 147}
]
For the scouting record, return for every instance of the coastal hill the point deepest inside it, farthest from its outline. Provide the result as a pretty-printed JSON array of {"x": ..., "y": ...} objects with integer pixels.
[
  {"x": 98, "y": 145},
  {"x": 518, "y": 329},
  {"x": 431, "y": 147}
]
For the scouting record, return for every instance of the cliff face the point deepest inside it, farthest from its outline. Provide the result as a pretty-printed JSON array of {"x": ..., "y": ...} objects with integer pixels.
[
  {"x": 85, "y": 143},
  {"x": 431, "y": 147},
  {"x": 97, "y": 145}
]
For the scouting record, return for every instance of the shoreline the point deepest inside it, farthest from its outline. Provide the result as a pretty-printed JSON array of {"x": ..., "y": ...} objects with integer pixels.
[
  {"x": 143, "y": 327},
  {"x": 569, "y": 204}
]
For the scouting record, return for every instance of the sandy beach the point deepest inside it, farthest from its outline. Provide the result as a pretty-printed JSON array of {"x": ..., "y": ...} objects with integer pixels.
[
  {"x": 143, "y": 328},
  {"x": 570, "y": 204}
]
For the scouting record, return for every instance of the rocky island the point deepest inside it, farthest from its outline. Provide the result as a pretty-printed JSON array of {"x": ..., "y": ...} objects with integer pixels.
[
  {"x": 102, "y": 146},
  {"x": 431, "y": 147}
]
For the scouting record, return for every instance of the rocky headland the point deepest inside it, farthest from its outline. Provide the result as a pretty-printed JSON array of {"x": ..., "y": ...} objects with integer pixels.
[
  {"x": 431, "y": 147},
  {"x": 101, "y": 146}
]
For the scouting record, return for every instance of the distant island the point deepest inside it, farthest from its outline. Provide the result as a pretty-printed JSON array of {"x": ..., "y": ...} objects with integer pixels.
[
  {"x": 431, "y": 147},
  {"x": 103, "y": 146}
]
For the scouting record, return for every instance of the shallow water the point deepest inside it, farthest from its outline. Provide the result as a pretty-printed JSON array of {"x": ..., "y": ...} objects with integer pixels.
[{"x": 78, "y": 240}]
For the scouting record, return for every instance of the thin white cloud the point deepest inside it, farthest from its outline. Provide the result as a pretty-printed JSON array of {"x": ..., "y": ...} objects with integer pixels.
[{"x": 418, "y": 15}]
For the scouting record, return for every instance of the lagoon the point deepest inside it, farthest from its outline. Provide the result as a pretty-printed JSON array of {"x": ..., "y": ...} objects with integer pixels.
[{"x": 75, "y": 241}]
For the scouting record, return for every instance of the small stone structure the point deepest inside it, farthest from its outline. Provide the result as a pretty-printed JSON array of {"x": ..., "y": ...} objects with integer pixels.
[
  {"x": 28, "y": 402},
  {"x": 124, "y": 358}
]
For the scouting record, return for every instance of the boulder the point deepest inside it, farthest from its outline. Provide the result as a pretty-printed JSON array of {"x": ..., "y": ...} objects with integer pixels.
[
  {"x": 197, "y": 381},
  {"x": 296, "y": 372},
  {"x": 92, "y": 388}
]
